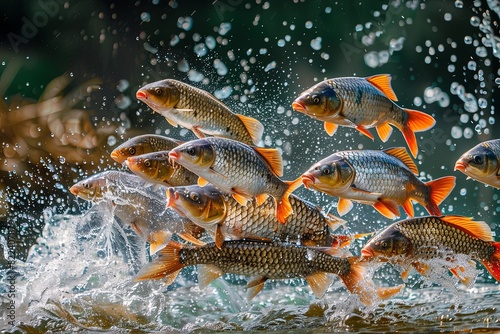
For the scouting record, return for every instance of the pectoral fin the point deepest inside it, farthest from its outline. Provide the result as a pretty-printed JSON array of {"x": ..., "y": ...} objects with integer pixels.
[
  {"x": 207, "y": 273},
  {"x": 364, "y": 131},
  {"x": 344, "y": 206},
  {"x": 158, "y": 240},
  {"x": 330, "y": 128},
  {"x": 171, "y": 122},
  {"x": 319, "y": 283},
  {"x": 202, "y": 182},
  {"x": 219, "y": 237},
  {"x": 254, "y": 286},
  {"x": 387, "y": 208},
  {"x": 384, "y": 131}
]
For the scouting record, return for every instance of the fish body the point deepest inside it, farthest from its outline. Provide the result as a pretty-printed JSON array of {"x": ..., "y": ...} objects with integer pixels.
[
  {"x": 262, "y": 261},
  {"x": 384, "y": 179},
  {"x": 238, "y": 169},
  {"x": 213, "y": 210},
  {"x": 362, "y": 103},
  {"x": 143, "y": 144},
  {"x": 482, "y": 163},
  {"x": 136, "y": 204},
  {"x": 412, "y": 242},
  {"x": 155, "y": 167},
  {"x": 199, "y": 111}
]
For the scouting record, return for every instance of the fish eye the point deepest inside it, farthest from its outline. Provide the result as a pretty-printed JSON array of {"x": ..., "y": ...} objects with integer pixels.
[
  {"x": 194, "y": 196},
  {"x": 315, "y": 99},
  {"x": 131, "y": 150},
  {"x": 86, "y": 185},
  {"x": 191, "y": 151},
  {"x": 384, "y": 244},
  {"x": 325, "y": 170},
  {"x": 478, "y": 159},
  {"x": 147, "y": 163},
  {"x": 158, "y": 91}
]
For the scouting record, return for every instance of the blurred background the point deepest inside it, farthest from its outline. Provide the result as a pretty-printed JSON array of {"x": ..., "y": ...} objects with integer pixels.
[{"x": 70, "y": 69}]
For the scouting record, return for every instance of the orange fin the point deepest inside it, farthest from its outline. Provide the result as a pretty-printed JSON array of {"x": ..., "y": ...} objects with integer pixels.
[
  {"x": 402, "y": 155},
  {"x": 422, "y": 268},
  {"x": 171, "y": 122},
  {"x": 493, "y": 263},
  {"x": 158, "y": 239},
  {"x": 330, "y": 128},
  {"x": 319, "y": 283},
  {"x": 242, "y": 199},
  {"x": 439, "y": 190},
  {"x": 341, "y": 241},
  {"x": 388, "y": 292},
  {"x": 344, "y": 206},
  {"x": 283, "y": 206},
  {"x": 383, "y": 83},
  {"x": 219, "y": 237},
  {"x": 461, "y": 273},
  {"x": 384, "y": 131},
  {"x": 207, "y": 273},
  {"x": 478, "y": 229},
  {"x": 168, "y": 263},
  {"x": 364, "y": 131},
  {"x": 254, "y": 127},
  {"x": 416, "y": 121},
  {"x": 387, "y": 208},
  {"x": 202, "y": 182},
  {"x": 261, "y": 198},
  {"x": 273, "y": 158},
  {"x": 334, "y": 222},
  {"x": 189, "y": 238},
  {"x": 405, "y": 273},
  {"x": 197, "y": 132},
  {"x": 408, "y": 207},
  {"x": 254, "y": 286}
]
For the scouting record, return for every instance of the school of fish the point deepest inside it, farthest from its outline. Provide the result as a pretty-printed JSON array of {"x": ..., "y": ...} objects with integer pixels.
[{"x": 220, "y": 201}]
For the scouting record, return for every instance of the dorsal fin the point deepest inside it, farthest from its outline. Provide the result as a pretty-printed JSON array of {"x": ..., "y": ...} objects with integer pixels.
[
  {"x": 478, "y": 229},
  {"x": 273, "y": 158},
  {"x": 383, "y": 83},
  {"x": 254, "y": 127},
  {"x": 401, "y": 154}
]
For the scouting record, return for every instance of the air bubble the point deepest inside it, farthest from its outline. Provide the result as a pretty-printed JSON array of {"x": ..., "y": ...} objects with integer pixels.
[
  {"x": 223, "y": 93},
  {"x": 316, "y": 43},
  {"x": 468, "y": 40},
  {"x": 475, "y": 21},
  {"x": 224, "y": 28},
  {"x": 456, "y": 132},
  {"x": 309, "y": 25},
  {"x": 459, "y": 4},
  {"x": 210, "y": 42},
  {"x": 200, "y": 49}
]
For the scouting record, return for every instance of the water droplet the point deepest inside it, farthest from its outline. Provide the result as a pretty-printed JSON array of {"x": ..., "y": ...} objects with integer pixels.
[
  {"x": 270, "y": 66},
  {"x": 475, "y": 21},
  {"x": 224, "y": 28},
  {"x": 123, "y": 102},
  {"x": 328, "y": 10},
  {"x": 210, "y": 42},
  {"x": 309, "y": 25},
  {"x": 316, "y": 43},
  {"x": 459, "y": 4},
  {"x": 183, "y": 66},
  {"x": 482, "y": 103},
  {"x": 111, "y": 141},
  {"x": 224, "y": 92},
  {"x": 447, "y": 17},
  {"x": 185, "y": 23},
  {"x": 471, "y": 65},
  {"x": 463, "y": 191},
  {"x": 467, "y": 39},
  {"x": 220, "y": 67},
  {"x": 145, "y": 17},
  {"x": 464, "y": 118},
  {"x": 478, "y": 129},
  {"x": 62, "y": 160},
  {"x": 481, "y": 51},
  {"x": 195, "y": 76},
  {"x": 122, "y": 85},
  {"x": 371, "y": 59},
  {"x": 281, "y": 42},
  {"x": 200, "y": 49},
  {"x": 468, "y": 133}
]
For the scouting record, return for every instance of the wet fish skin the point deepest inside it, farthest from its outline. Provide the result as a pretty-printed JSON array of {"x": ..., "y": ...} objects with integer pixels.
[
  {"x": 238, "y": 169},
  {"x": 385, "y": 179},
  {"x": 212, "y": 209},
  {"x": 362, "y": 103},
  {"x": 136, "y": 204},
  {"x": 143, "y": 144},
  {"x": 199, "y": 111},
  {"x": 155, "y": 167},
  {"x": 481, "y": 163},
  {"x": 265, "y": 260},
  {"x": 413, "y": 241}
]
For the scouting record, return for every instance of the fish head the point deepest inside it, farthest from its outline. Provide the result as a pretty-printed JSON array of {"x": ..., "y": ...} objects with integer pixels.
[
  {"x": 331, "y": 175},
  {"x": 150, "y": 164},
  {"x": 196, "y": 155},
  {"x": 204, "y": 206},
  {"x": 479, "y": 163},
  {"x": 321, "y": 101},
  {"x": 130, "y": 148},
  {"x": 90, "y": 189},
  {"x": 160, "y": 95},
  {"x": 389, "y": 243}
]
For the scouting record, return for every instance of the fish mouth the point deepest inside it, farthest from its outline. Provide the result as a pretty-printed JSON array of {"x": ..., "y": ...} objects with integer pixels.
[
  {"x": 307, "y": 180},
  {"x": 116, "y": 156},
  {"x": 141, "y": 95},
  {"x": 173, "y": 156},
  {"x": 367, "y": 253},
  {"x": 172, "y": 195},
  {"x": 298, "y": 106},
  {"x": 74, "y": 190},
  {"x": 461, "y": 166}
]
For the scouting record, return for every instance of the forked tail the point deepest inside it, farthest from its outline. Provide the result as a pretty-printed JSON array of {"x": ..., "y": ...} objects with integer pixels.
[
  {"x": 416, "y": 121},
  {"x": 493, "y": 263},
  {"x": 358, "y": 282},
  {"x": 439, "y": 190}
]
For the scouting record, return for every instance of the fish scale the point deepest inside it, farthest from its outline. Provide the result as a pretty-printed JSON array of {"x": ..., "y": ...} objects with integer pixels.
[
  {"x": 272, "y": 261},
  {"x": 365, "y": 104},
  {"x": 427, "y": 234}
]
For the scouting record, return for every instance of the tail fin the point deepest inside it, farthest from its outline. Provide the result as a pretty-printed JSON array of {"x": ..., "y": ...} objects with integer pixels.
[
  {"x": 167, "y": 265},
  {"x": 439, "y": 190},
  {"x": 356, "y": 281},
  {"x": 416, "y": 121},
  {"x": 283, "y": 206},
  {"x": 493, "y": 263}
]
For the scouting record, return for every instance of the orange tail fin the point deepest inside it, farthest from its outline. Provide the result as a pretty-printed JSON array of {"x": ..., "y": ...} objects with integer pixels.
[
  {"x": 416, "y": 121},
  {"x": 356, "y": 281},
  {"x": 283, "y": 207},
  {"x": 167, "y": 265},
  {"x": 439, "y": 190},
  {"x": 493, "y": 263}
]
